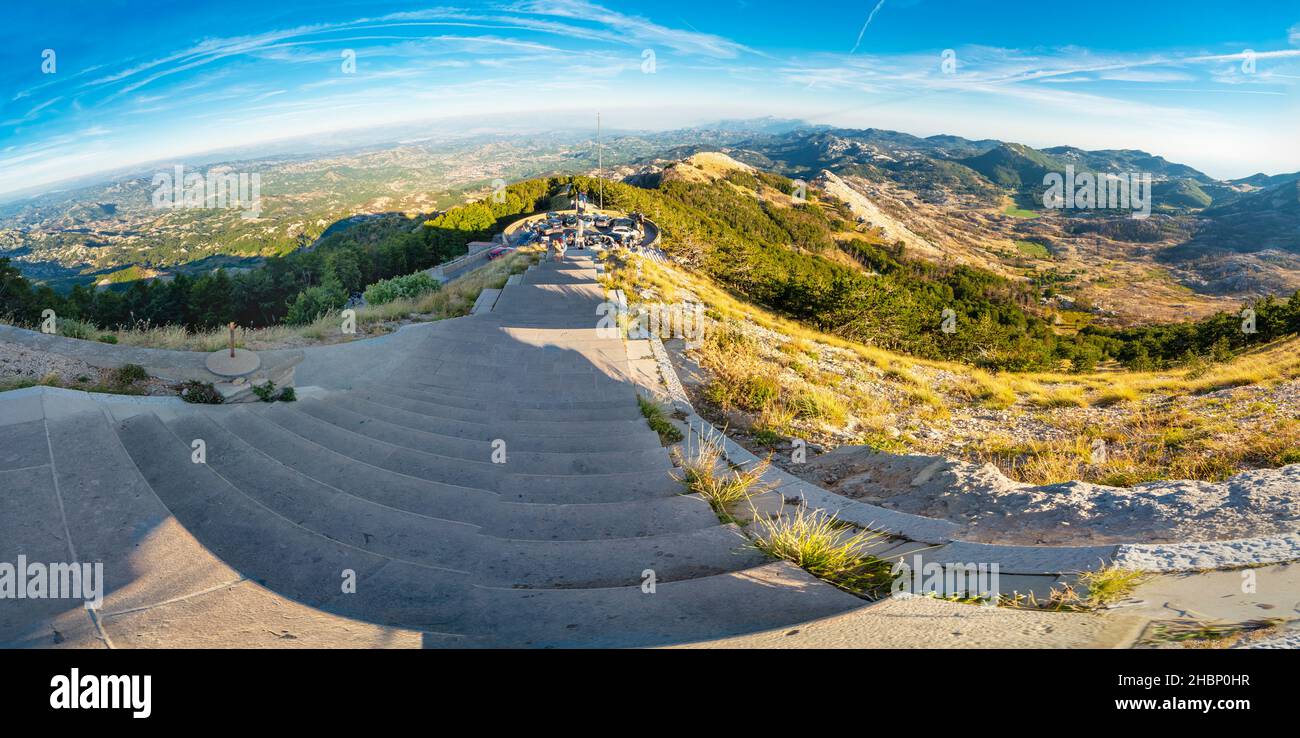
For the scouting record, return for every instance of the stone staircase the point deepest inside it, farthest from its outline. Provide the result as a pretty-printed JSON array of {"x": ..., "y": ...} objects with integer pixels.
[
  {"x": 486, "y": 481},
  {"x": 497, "y": 487}
]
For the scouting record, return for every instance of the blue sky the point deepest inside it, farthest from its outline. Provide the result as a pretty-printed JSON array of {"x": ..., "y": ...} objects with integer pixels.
[{"x": 1212, "y": 84}]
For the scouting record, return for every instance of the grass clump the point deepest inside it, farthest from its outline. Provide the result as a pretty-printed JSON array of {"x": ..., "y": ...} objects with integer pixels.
[
  {"x": 1105, "y": 587},
  {"x": 1116, "y": 395},
  {"x": 1109, "y": 585},
  {"x": 129, "y": 374},
  {"x": 658, "y": 421},
  {"x": 1060, "y": 397},
  {"x": 815, "y": 403},
  {"x": 722, "y": 489},
  {"x": 822, "y": 545}
]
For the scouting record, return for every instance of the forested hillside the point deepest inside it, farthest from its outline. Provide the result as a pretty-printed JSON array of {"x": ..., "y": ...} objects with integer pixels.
[
  {"x": 806, "y": 259},
  {"x": 295, "y": 288}
]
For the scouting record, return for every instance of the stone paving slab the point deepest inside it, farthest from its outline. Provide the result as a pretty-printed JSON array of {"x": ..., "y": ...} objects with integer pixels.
[
  {"x": 245, "y": 615},
  {"x": 924, "y": 622},
  {"x": 1221, "y": 596},
  {"x": 1209, "y": 554},
  {"x": 21, "y": 406}
]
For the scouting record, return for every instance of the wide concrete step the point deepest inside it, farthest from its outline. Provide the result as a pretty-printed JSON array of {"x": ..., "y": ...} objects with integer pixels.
[
  {"x": 766, "y": 597},
  {"x": 573, "y": 384},
  {"x": 323, "y": 508},
  {"x": 481, "y": 428},
  {"x": 576, "y": 276},
  {"x": 356, "y": 474},
  {"x": 278, "y": 553},
  {"x": 531, "y": 361},
  {"x": 477, "y": 449},
  {"x": 506, "y": 392},
  {"x": 397, "y": 534},
  {"x": 617, "y": 562},
  {"x": 491, "y": 412},
  {"x": 567, "y": 353},
  {"x": 417, "y": 392},
  {"x": 513, "y": 461},
  {"x": 518, "y": 487},
  {"x": 620, "y": 519},
  {"x": 612, "y": 519}
]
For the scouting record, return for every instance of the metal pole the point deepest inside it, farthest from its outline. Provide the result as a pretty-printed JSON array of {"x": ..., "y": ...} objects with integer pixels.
[{"x": 600, "y": 164}]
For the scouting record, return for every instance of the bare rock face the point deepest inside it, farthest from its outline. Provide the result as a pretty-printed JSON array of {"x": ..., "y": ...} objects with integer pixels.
[
  {"x": 994, "y": 508},
  {"x": 863, "y": 207}
]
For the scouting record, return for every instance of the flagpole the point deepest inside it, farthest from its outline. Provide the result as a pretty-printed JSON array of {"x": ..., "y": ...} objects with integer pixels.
[{"x": 600, "y": 164}]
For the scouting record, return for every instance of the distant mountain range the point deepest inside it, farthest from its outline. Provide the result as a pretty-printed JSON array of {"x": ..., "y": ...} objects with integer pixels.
[{"x": 953, "y": 188}]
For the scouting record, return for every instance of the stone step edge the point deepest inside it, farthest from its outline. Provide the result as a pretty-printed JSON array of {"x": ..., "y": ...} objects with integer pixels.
[{"x": 1159, "y": 558}]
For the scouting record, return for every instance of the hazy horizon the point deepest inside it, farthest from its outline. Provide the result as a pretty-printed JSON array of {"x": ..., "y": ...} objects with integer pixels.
[{"x": 1218, "y": 95}]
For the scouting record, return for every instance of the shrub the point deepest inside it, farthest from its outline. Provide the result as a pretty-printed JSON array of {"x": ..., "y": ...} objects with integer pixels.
[
  {"x": 267, "y": 393},
  {"x": 406, "y": 287},
  {"x": 202, "y": 393},
  {"x": 314, "y": 302},
  {"x": 108, "y": 338},
  {"x": 76, "y": 329},
  {"x": 129, "y": 374}
]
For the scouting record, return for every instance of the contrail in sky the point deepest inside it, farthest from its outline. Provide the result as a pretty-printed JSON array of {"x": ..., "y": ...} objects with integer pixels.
[{"x": 875, "y": 10}]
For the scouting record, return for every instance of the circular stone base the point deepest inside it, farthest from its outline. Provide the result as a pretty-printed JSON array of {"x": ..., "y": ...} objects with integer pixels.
[{"x": 223, "y": 364}]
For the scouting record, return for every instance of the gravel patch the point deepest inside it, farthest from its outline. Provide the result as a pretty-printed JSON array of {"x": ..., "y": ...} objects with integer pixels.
[{"x": 18, "y": 362}]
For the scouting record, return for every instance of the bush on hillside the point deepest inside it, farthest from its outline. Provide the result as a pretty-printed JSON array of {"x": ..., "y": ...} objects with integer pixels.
[
  {"x": 407, "y": 287},
  {"x": 314, "y": 302}
]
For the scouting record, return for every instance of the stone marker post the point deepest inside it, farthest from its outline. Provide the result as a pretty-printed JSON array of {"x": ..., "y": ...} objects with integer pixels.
[{"x": 232, "y": 340}]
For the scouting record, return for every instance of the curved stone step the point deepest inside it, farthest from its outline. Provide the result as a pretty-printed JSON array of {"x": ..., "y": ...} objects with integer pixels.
[
  {"x": 774, "y": 595},
  {"x": 357, "y": 475},
  {"x": 481, "y": 429},
  {"x": 323, "y": 508},
  {"x": 273, "y": 551},
  {"x": 618, "y": 562},
  {"x": 513, "y": 393},
  {"x": 365, "y": 405},
  {"x": 417, "y": 392},
  {"x": 505, "y": 411},
  {"x": 513, "y": 487},
  {"x": 537, "y": 521},
  {"x": 516, "y": 460},
  {"x": 591, "y": 521},
  {"x": 398, "y": 534},
  {"x": 575, "y": 385}
]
